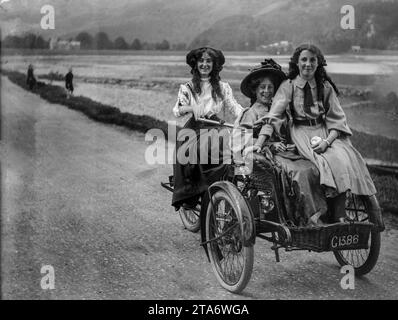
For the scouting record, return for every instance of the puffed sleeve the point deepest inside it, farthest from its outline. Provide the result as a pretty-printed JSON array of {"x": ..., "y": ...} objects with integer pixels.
[
  {"x": 248, "y": 118},
  {"x": 183, "y": 99},
  {"x": 335, "y": 117},
  {"x": 277, "y": 116},
  {"x": 230, "y": 102}
]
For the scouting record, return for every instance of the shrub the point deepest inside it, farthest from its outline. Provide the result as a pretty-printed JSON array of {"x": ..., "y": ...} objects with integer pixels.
[
  {"x": 387, "y": 191},
  {"x": 375, "y": 147}
]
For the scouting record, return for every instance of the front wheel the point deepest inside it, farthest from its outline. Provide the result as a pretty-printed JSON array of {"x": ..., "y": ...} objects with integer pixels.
[
  {"x": 232, "y": 262},
  {"x": 363, "y": 260},
  {"x": 190, "y": 218}
]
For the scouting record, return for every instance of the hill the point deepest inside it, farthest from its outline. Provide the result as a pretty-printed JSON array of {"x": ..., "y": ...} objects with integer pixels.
[
  {"x": 148, "y": 20},
  {"x": 228, "y": 24},
  {"x": 297, "y": 21}
]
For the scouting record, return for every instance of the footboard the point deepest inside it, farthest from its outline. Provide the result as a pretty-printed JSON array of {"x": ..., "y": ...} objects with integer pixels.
[{"x": 338, "y": 236}]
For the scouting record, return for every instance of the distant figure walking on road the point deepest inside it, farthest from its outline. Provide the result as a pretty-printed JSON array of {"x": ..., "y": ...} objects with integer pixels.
[
  {"x": 69, "y": 83},
  {"x": 30, "y": 78}
]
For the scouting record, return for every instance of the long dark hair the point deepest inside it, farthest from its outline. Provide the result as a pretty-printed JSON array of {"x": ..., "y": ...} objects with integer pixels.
[
  {"x": 214, "y": 76},
  {"x": 321, "y": 75}
]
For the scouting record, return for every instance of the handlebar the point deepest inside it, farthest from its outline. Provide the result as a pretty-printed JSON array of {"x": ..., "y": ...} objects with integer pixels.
[
  {"x": 219, "y": 123},
  {"x": 228, "y": 125}
]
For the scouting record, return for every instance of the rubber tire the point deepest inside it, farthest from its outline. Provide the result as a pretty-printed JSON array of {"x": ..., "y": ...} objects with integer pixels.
[
  {"x": 374, "y": 248},
  {"x": 188, "y": 224},
  {"x": 248, "y": 253}
]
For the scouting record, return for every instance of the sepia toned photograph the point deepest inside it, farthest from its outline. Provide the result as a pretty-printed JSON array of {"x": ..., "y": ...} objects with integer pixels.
[{"x": 199, "y": 150}]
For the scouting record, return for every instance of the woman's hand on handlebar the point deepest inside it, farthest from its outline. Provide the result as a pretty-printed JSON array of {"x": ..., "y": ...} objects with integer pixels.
[{"x": 212, "y": 116}]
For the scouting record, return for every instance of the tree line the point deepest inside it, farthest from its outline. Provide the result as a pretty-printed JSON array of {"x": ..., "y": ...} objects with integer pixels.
[
  {"x": 102, "y": 41},
  {"x": 28, "y": 41},
  {"x": 99, "y": 41}
]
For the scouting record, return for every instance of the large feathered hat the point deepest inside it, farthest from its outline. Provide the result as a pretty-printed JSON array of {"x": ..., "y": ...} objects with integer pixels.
[{"x": 267, "y": 68}]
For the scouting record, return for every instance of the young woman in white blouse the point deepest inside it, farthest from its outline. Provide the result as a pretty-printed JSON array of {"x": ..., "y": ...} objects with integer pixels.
[{"x": 204, "y": 96}]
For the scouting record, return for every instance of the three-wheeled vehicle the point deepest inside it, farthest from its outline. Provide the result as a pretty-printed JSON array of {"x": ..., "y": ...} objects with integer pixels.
[{"x": 244, "y": 205}]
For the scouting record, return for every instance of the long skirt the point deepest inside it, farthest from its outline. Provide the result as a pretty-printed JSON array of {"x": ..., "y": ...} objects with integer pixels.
[
  {"x": 302, "y": 192},
  {"x": 341, "y": 166},
  {"x": 201, "y": 159}
]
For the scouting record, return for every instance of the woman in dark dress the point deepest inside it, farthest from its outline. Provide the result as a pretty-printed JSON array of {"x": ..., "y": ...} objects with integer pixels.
[{"x": 204, "y": 96}]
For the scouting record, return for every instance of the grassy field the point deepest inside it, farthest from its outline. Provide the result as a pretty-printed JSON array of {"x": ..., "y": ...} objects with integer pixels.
[
  {"x": 371, "y": 146},
  {"x": 146, "y": 82},
  {"x": 347, "y": 69}
]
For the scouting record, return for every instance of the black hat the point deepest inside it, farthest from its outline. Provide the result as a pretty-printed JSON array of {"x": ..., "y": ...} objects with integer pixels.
[
  {"x": 192, "y": 56},
  {"x": 267, "y": 68}
]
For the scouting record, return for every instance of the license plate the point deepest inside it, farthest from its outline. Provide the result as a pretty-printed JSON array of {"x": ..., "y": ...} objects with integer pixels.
[{"x": 349, "y": 240}]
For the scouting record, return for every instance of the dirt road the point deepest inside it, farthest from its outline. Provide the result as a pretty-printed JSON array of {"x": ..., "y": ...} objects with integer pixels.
[{"x": 79, "y": 196}]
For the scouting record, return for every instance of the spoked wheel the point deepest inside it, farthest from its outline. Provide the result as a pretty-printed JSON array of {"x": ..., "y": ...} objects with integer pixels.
[
  {"x": 190, "y": 218},
  {"x": 232, "y": 262},
  {"x": 363, "y": 260}
]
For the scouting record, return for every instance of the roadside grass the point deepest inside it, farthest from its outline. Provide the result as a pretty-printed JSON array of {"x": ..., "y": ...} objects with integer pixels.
[
  {"x": 370, "y": 146},
  {"x": 375, "y": 146},
  {"x": 387, "y": 191},
  {"x": 94, "y": 110}
]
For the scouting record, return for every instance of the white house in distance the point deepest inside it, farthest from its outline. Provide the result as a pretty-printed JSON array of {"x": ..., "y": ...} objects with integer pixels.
[
  {"x": 277, "y": 47},
  {"x": 57, "y": 44}
]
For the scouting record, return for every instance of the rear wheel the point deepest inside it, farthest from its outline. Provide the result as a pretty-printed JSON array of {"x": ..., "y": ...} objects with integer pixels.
[
  {"x": 363, "y": 260},
  {"x": 190, "y": 218},
  {"x": 232, "y": 262}
]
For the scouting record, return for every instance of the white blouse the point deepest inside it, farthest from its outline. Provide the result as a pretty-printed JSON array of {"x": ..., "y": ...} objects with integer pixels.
[{"x": 204, "y": 103}]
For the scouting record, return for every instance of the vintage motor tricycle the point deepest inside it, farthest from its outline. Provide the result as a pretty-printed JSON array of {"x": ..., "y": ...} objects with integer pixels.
[{"x": 245, "y": 205}]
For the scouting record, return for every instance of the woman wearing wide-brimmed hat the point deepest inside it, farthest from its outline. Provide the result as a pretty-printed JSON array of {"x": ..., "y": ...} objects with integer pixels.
[
  {"x": 297, "y": 173},
  {"x": 204, "y": 96},
  {"x": 260, "y": 86},
  {"x": 319, "y": 129}
]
